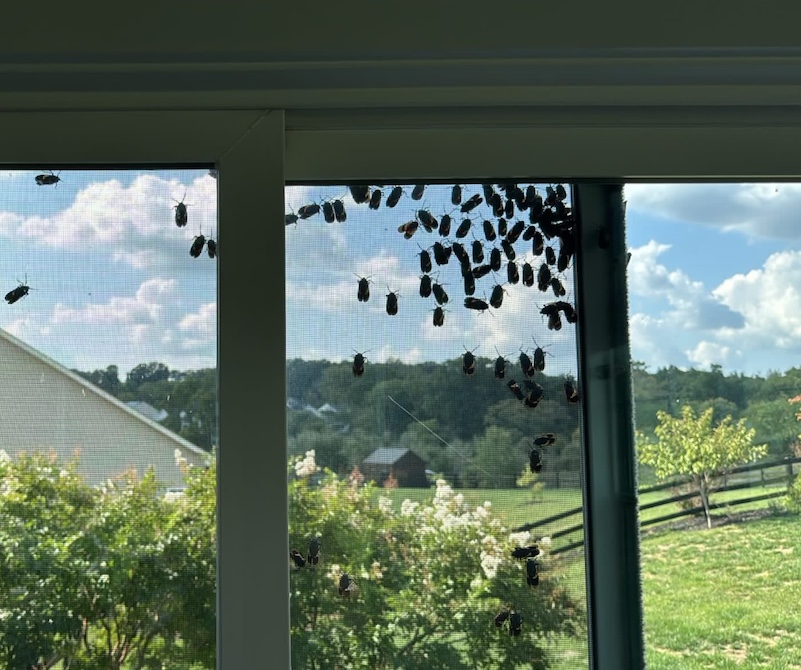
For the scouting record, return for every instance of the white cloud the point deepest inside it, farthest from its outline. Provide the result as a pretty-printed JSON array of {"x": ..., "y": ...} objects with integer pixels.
[
  {"x": 147, "y": 305},
  {"x": 202, "y": 323},
  {"x": 769, "y": 299},
  {"x": 706, "y": 353},
  {"x": 758, "y": 210}
]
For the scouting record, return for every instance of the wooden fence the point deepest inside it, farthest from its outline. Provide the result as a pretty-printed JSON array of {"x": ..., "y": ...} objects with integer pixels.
[{"x": 734, "y": 479}]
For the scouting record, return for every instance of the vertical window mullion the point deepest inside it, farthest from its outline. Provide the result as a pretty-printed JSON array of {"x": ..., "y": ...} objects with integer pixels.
[
  {"x": 612, "y": 535},
  {"x": 253, "y": 580}
]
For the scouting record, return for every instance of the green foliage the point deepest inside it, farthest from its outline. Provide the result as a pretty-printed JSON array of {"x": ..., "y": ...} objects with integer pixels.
[
  {"x": 693, "y": 445},
  {"x": 430, "y": 579},
  {"x": 104, "y": 578},
  {"x": 794, "y": 496}
]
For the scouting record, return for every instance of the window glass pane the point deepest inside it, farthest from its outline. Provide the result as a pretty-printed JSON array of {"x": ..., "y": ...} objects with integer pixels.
[
  {"x": 108, "y": 367},
  {"x": 434, "y": 441},
  {"x": 714, "y": 279}
]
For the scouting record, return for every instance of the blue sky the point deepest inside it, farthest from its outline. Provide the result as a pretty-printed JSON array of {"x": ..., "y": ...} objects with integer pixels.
[
  {"x": 110, "y": 272},
  {"x": 715, "y": 278}
]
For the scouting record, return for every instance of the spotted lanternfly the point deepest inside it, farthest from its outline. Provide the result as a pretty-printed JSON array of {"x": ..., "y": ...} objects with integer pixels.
[
  {"x": 47, "y": 179},
  {"x": 468, "y": 362},
  {"x": 509, "y": 209},
  {"x": 550, "y": 256},
  {"x": 563, "y": 306},
  {"x": 445, "y": 225},
  {"x": 363, "y": 292},
  {"x": 496, "y": 202},
  {"x": 531, "y": 193},
  {"x": 19, "y": 292},
  {"x": 182, "y": 216},
  {"x": 425, "y": 261},
  {"x": 550, "y": 196},
  {"x": 346, "y": 585},
  {"x": 532, "y": 576},
  {"x": 515, "y": 624},
  {"x": 339, "y": 211},
  {"x": 535, "y": 460},
  {"x": 528, "y": 233},
  {"x": 360, "y": 194},
  {"x": 439, "y": 316},
  {"x": 554, "y": 321},
  {"x": 408, "y": 229},
  {"x": 478, "y": 252},
  {"x": 502, "y": 227},
  {"x": 495, "y": 259},
  {"x": 197, "y": 246},
  {"x": 512, "y": 273},
  {"x": 469, "y": 283},
  {"x": 537, "y": 243},
  {"x": 528, "y": 274},
  {"x": 392, "y": 302},
  {"x": 428, "y": 221},
  {"x": 543, "y": 278},
  {"x": 500, "y": 366},
  {"x": 464, "y": 228},
  {"x": 461, "y": 253},
  {"x": 328, "y": 212},
  {"x": 557, "y": 287},
  {"x": 514, "y": 233},
  {"x": 417, "y": 191},
  {"x": 441, "y": 253},
  {"x": 488, "y": 190},
  {"x": 501, "y": 618},
  {"x": 308, "y": 211},
  {"x": 525, "y": 552},
  {"x": 211, "y": 248},
  {"x": 358, "y": 364},
  {"x": 394, "y": 196},
  {"x": 570, "y": 391},
  {"x": 481, "y": 271},
  {"x": 508, "y": 249},
  {"x": 476, "y": 304},
  {"x": 489, "y": 230},
  {"x": 439, "y": 294},
  {"x": 375, "y": 199},
  {"x": 545, "y": 440},
  {"x": 313, "y": 557},
  {"x": 534, "y": 393},
  {"x": 296, "y": 556},
  {"x": 496, "y": 298},
  {"x": 515, "y": 389},
  {"x": 538, "y": 362},
  {"x": 561, "y": 193},
  {"x": 456, "y": 195},
  {"x": 289, "y": 219},
  {"x": 526, "y": 365},
  {"x": 425, "y": 286},
  {"x": 471, "y": 204}
]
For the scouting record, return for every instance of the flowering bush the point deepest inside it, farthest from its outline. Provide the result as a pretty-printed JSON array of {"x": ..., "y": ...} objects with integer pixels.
[{"x": 428, "y": 583}]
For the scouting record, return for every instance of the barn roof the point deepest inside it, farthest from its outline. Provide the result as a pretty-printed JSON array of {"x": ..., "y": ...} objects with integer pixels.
[{"x": 386, "y": 455}]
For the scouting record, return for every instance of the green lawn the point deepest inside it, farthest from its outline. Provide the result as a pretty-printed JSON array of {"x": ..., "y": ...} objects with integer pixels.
[{"x": 729, "y": 597}]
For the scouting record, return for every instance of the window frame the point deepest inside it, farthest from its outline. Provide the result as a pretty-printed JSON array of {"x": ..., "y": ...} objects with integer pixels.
[{"x": 257, "y": 151}]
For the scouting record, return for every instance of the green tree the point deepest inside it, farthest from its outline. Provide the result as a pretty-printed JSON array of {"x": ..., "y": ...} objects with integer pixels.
[{"x": 693, "y": 445}]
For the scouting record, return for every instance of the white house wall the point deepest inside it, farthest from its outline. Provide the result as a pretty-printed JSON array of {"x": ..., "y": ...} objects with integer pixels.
[{"x": 44, "y": 409}]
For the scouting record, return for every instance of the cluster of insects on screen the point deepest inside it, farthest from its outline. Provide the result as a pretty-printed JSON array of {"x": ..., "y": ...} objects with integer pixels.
[
  {"x": 181, "y": 219},
  {"x": 520, "y": 214}
]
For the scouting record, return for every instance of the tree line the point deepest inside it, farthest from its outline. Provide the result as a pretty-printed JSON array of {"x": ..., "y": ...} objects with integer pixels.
[{"x": 488, "y": 432}]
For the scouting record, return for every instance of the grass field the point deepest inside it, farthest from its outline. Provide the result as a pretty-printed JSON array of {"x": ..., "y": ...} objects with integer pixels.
[{"x": 729, "y": 597}]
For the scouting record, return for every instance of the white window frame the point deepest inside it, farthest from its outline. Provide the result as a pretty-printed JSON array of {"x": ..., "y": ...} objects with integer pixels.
[{"x": 256, "y": 155}]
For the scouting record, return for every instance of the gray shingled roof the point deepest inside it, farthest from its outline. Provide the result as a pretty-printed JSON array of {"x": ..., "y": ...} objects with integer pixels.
[{"x": 386, "y": 455}]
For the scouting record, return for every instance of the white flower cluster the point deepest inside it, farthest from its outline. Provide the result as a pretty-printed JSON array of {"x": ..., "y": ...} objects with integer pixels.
[
  {"x": 306, "y": 466},
  {"x": 180, "y": 460},
  {"x": 385, "y": 505}
]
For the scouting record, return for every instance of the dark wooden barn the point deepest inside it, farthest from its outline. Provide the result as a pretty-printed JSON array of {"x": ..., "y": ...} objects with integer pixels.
[{"x": 406, "y": 466}]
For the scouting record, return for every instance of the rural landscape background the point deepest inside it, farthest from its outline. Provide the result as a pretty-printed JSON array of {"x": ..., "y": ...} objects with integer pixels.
[{"x": 413, "y": 577}]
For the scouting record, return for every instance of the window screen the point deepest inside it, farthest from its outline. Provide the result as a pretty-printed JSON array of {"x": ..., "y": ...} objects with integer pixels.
[
  {"x": 108, "y": 368},
  {"x": 714, "y": 283},
  {"x": 434, "y": 427}
]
